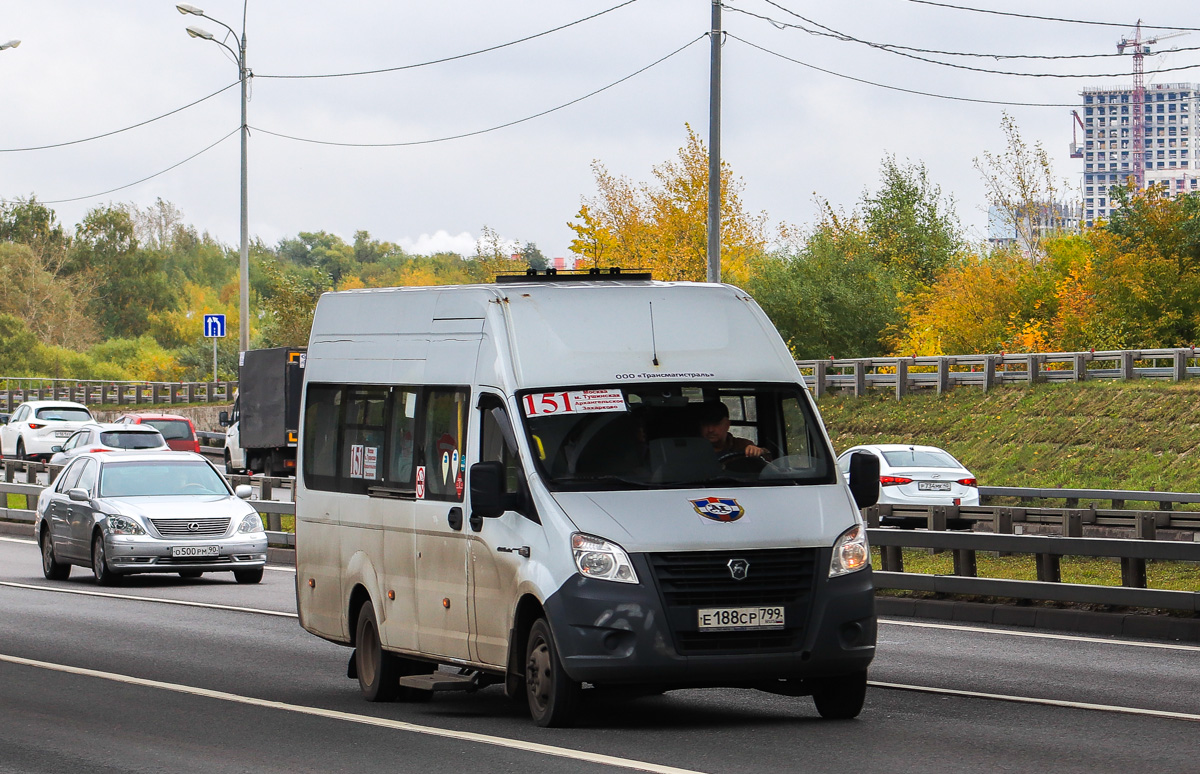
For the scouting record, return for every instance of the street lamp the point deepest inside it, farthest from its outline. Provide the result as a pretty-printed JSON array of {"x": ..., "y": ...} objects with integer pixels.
[
  {"x": 10, "y": 44},
  {"x": 243, "y": 76}
]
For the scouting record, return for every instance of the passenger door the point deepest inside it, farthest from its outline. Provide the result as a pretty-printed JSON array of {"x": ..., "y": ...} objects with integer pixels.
[
  {"x": 80, "y": 514},
  {"x": 498, "y": 546},
  {"x": 441, "y": 543},
  {"x": 58, "y": 511}
]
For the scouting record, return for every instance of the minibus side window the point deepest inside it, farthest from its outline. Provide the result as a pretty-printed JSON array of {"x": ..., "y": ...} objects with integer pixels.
[
  {"x": 321, "y": 418},
  {"x": 359, "y": 461},
  {"x": 402, "y": 426},
  {"x": 443, "y": 445}
]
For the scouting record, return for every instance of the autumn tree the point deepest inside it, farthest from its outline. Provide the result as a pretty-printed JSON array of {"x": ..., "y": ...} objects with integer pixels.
[
  {"x": 663, "y": 226},
  {"x": 1020, "y": 183}
]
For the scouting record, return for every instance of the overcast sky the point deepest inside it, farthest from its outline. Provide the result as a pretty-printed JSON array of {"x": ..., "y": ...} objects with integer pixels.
[{"x": 791, "y": 132}]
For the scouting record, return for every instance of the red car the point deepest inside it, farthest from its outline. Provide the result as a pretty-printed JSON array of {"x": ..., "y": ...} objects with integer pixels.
[{"x": 179, "y": 431}]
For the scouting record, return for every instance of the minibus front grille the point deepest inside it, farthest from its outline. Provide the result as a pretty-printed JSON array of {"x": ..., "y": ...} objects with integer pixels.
[
  {"x": 699, "y": 643},
  {"x": 704, "y": 579}
]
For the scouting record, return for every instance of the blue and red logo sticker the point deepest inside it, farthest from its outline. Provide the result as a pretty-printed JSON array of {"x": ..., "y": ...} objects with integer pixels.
[{"x": 724, "y": 509}]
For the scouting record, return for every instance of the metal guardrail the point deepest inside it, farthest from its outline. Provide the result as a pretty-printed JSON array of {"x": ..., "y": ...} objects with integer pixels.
[
  {"x": 1048, "y": 551},
  {"x": 1068, "y": 521},
  {"x": 16, "y": 389},
  {"x": 903, "y": 374},
  {"x": 1118, "y": 497}
]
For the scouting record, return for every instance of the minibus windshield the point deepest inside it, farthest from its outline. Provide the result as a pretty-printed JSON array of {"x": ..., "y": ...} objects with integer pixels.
[{"x": 671, "y": 436}]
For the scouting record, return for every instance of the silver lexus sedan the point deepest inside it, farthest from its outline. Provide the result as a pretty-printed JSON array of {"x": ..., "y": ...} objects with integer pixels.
[{"x": 125, "y": 512}]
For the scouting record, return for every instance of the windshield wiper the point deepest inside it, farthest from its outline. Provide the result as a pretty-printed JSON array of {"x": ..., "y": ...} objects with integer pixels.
[{"x": 607, "y": 479}]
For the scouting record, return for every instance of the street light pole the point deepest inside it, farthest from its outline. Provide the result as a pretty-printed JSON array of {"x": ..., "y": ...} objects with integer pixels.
[
  {"x": 714, "y": 149},
  {"x": 244, "y": 77}
]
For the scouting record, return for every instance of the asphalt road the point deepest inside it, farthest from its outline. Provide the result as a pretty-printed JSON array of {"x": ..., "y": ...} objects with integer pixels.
[{"x": 164, "y": 674}]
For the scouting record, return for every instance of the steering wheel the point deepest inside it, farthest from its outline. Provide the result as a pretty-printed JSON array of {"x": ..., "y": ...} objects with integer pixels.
[
  {"x": 724, "y": 457},
  {"x": 738, "y": 462},
  {"x": 194, "y": 487}
]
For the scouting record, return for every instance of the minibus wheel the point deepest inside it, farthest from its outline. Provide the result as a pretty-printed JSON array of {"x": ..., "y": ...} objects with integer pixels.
[
  {"x": 840, "y": 698},
  {"x": 378, "y": 676},
  {"x": 553, "y": 695}
]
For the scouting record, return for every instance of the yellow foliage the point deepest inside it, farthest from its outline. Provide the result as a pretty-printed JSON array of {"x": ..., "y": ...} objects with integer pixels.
[{"x": 663, "y": 226}]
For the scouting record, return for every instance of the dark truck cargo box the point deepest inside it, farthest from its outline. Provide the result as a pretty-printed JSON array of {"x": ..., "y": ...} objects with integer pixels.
[{"x": 269, "y": 385}]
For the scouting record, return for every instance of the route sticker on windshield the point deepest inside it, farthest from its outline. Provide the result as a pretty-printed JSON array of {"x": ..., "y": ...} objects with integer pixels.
[
  {"x": 356, "y": 460},
  {"x": 370, "y": 461},
  {"x": 578, "y": 402},
  {"x": 420, "y": 482}
]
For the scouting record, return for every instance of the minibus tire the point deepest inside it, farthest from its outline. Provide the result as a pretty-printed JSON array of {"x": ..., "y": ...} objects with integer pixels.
[
  {"x": 840, "y": 698},
  {"x": 378, "y": 673},
  {"x": 553, "y": 696}
]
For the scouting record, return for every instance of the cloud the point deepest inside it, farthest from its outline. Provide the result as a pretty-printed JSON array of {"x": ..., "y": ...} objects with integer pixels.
[{"x": 439, "y": 242}]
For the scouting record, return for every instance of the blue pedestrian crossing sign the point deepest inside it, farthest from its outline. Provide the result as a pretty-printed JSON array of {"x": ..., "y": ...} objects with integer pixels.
[{"x": 214, "y": 326}]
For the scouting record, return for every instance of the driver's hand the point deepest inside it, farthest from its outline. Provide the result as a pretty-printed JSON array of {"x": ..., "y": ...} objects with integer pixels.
[{"x": 754, "y": 451}]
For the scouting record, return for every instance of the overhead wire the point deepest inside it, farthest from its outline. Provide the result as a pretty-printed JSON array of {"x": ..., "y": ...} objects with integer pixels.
[
  {"x": 118, "y": 131},
  {"x": 456, "y": 56},
  {"x": 895, "y": 46},
  {"x": 144, "y": 179},
  {"x": 1051, "y": 18},
  {"x": 832, "y": 33},
  {"x": 489, "y": 129},
  {"x": 899, "y": 88}
]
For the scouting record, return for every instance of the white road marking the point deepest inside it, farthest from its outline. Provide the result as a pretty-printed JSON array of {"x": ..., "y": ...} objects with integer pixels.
[
  {"x": 367, "y": 720},
  {"x": 18, "y": 540},
  {"x": 1047, "y": 702},
  {"x": 1040, "y": 635},
  {"x": 180, "y": 602}
]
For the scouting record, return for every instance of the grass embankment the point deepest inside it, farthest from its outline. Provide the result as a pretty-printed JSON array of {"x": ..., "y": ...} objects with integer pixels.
[{"x": 1095, "y": 435}]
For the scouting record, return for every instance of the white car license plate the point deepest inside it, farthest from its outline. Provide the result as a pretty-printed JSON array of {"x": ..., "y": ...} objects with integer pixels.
[
  {"x": 63, "y": 433},
  {"x": 933, "y": 486},
  {"x": 740, "y": 618},
  {"x": 185, "y": 552}
]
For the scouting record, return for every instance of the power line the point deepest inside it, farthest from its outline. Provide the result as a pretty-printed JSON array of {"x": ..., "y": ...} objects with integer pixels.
[
  {"x": 118, "y": 131},
  {"x": 490, "y": 129},
  {"x": 899, "y": 88},
  {"x": 456, "y": 56},
  {"x": 897, "y": 47},
  {"x": 1051, "y": 18},
  {"x": 144, "y": 179},
  {"x": 894, "y": 50}
]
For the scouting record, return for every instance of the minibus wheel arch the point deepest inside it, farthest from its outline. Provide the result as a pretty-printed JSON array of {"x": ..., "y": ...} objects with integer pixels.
[
  {"x": 529, "y": 609},
  {"x": 358, "y": 595}
]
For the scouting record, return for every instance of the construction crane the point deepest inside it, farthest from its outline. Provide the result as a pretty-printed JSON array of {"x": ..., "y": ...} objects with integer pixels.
[
  {"x": 1140, "y": 47},
  {"x": 1076, "y": 151}
]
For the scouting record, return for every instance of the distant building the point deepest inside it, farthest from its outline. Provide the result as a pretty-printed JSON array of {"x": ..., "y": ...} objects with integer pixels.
[
  {"x": 1049, "y": 219},
  {"x": 1170, "y": 139},
  {"x": 564, "y": 264}
]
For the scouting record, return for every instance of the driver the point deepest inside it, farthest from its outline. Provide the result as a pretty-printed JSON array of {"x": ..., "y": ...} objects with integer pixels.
[{"x": 714, "y": 428}]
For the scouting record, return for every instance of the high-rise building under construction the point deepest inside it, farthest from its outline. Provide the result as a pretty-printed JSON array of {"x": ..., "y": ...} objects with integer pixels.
[{"x": 1170, "y": 131}]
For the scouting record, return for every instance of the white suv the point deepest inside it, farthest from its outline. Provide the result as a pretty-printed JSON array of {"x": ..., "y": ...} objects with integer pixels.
[{"x": 39, "y": 425}]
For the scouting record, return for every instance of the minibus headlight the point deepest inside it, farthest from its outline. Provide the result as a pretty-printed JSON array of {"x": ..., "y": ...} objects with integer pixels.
[
  {"x": 123, "y": 525},
  {"x": 598, "y": 558},
  {"x": 851, "y": 552},
  {"x": 252, "y": 523}
]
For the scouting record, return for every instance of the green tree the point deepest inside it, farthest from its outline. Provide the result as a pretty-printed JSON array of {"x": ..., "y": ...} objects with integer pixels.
[
  {"x": 129, "y": 282},
  {"x": 910, "y": 226},
  {"x": 533, "y": 257},
  {"x": 18, "y": 346},
  {"x": 289, "y": 307},
  {"x": 829, "y": 297},
  {"x": 26, "y": 222}
]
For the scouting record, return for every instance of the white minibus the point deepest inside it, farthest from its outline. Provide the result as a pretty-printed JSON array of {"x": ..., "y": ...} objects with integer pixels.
[{"x": 561, "y": 483}]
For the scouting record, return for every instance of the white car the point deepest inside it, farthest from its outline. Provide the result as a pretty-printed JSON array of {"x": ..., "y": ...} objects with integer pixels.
[
  {"x": 37, "y": 426},
  {"x": 109, "y": 437},
  {"x": 918, "y": 475}
]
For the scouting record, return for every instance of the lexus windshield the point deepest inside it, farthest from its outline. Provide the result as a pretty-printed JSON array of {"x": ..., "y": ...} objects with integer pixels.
[{"x": 671, "y": 436}]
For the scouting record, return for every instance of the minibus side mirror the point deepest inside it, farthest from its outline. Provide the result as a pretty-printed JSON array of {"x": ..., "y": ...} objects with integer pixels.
[
  {"x": 487, "y": 490},
  {"x": 864, "y": 479},
  {"x": 223, "y": 419}
]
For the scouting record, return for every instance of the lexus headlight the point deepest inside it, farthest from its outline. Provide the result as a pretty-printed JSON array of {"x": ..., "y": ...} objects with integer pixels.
[
  {"x": 252, "y": 523},
  {"x": 851, "y": 552},
  {"x": 123, "y": 525},
  {"x": 598, "y": 558}
]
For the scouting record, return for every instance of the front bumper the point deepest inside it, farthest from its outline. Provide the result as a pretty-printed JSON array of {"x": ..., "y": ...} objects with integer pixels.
[
  {"x": 143, "y": 553},
  {"x": 614, "y": 633}
]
